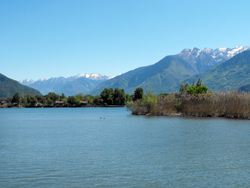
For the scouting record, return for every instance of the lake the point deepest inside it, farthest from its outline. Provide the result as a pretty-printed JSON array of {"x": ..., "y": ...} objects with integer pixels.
[{"x": 108, "y": 147}]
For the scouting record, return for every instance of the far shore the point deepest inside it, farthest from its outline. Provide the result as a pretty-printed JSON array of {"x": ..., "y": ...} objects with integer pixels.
[{"x": 106, "y": 106}]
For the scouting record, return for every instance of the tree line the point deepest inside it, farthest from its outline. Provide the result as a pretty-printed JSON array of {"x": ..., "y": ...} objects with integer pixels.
[{"x": 107, "y": 97}]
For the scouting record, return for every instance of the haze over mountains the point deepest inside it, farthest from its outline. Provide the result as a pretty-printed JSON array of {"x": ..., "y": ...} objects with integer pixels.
[{"x": 221, "y": 68}]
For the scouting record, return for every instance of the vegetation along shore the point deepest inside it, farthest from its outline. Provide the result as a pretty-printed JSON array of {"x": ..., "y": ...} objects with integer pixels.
[
  {"x": 191, "y": 101},
  {"x": 108, "y": 97},
  {"x": 194, "y": 101}
]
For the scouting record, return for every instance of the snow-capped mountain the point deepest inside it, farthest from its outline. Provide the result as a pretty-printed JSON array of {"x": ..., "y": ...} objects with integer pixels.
[
  {"x": 114, "y": 76},
  {"x": 92, "y": 76},
  {"x": 27, "y": 82},
  {"x": 204, "y": 59},
  {"x": 73, "y": 85}
]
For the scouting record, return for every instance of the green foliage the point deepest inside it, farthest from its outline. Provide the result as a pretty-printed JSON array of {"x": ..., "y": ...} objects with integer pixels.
[
  {"x": 24, "y": 101},
  {"x": 80, "y": 97},
  {"x": 48, "y": 102},
  {"x": 97, "y": 100},
  {"x": 197, "y": 88},
  {"x": 138, "y": 93},
  {"x": 41, "y": 98},
  {"x": 73, "y": 101},
  {"x": 128, "y": 98},
  {"x": 131, "y": 105},
  {"x": 31, "y": 100},
  {"x": 119, "y": 97},
  {"x": 107, "y": 96},
  {"x": 16, "y": 98},
  {"x": 63, "y": 96},
  {"x": 89, "y": 98},
  {"x": 53, "y": 96},
  {"x": 149, "y": 101}
]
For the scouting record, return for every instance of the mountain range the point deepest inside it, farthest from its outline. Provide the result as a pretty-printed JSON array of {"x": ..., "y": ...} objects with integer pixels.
[
  {"x": 203, "y": 60},
  {"x": 220, "y": 69},
  {"x": 73, "y": 85},
  {"x": 230, "y": 75},
  {"x": 166, "y": 75}
]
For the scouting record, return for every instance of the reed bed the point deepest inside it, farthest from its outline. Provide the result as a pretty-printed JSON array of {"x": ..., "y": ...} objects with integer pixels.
[{"x": 230, "y": 104}]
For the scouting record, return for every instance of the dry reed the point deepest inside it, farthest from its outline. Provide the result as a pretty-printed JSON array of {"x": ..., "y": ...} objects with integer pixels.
[{"x": 231, "y": 104}]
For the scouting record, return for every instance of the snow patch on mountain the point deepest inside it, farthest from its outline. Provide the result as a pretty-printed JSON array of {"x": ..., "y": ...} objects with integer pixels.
[
  {"x": 204, "y": 59},
  {"x": 27, "y": 81},
  {"x": 42, "y": 79},
  {"x": 115, "y": 76},
  {"x": 92, "y": 76},
  {"x": 218, "y": 54}
]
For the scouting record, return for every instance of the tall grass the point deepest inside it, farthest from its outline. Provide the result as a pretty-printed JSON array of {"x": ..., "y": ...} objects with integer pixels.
[{"x": 231, "y": 104}]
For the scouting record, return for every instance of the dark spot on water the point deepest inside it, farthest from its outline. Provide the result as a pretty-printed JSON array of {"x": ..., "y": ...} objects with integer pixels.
[{"x": 2, "y": 79}]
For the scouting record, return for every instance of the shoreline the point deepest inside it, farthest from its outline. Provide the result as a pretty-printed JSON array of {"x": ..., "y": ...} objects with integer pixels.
[{"x": 195, "y": 115}]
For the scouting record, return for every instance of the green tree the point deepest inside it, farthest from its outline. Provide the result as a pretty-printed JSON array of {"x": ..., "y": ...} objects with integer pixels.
[
  {"x": 89, "y": 98},
  {"x": 197, "y": 88},
  {"x": 32, "y": 100},
  {"x": 97, "y": 100},
  {"x": 24, "y": 101},
  {"x": 16, "y": 98},
  {"x": 53, "y": 96},
  {"x": 80, "y": 97},
  {"x": 149, "y": 100},
  {"x": 48, "y": 102},
  {"x": 107, "y": 96},
  {"x": 41, "y": 98},
  {"x": 73, "y": 101},
  {"x": 138, "y": 93},
  {"x": 119, "y": 97},
  {"x": 128, "y": 98},
  {"x": 63, "y": 96}
]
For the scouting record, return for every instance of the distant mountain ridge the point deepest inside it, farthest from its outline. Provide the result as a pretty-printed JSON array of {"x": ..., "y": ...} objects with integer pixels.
[
  {"x": 92, "y": 76},
  {"x": 203, "y": 60},
  {"x": 163, "y": 76},
  {"x": 73, "y": 85},
  {"x": 9, "y": 87}
]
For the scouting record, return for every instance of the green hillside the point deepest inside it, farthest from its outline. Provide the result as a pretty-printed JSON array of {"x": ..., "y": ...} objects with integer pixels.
[
  {"x": 9, "y": 87},
  {"x": 229, "y": 75},
  {"x": 159, "y": 77}
]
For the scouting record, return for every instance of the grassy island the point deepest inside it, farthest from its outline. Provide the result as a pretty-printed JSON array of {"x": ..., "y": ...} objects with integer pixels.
[{"x": 194, "y": 101}]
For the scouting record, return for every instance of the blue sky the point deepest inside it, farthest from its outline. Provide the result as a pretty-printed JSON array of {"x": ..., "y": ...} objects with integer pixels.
[{"x": 51, "y": 38}]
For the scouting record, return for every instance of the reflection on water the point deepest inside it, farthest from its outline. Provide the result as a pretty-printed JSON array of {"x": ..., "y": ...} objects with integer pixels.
[{"x": 74, "y": 147}]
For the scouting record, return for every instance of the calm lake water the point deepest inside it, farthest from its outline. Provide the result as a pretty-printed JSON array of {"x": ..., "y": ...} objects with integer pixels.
[{"x": 73, "y": 147}]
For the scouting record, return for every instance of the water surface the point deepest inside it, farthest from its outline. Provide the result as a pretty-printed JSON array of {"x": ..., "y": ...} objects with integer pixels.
[{"x": 77, "y": 147}]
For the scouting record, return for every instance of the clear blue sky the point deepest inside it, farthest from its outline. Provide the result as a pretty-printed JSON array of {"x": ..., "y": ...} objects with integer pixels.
[{"x": 51, "y": 38}]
